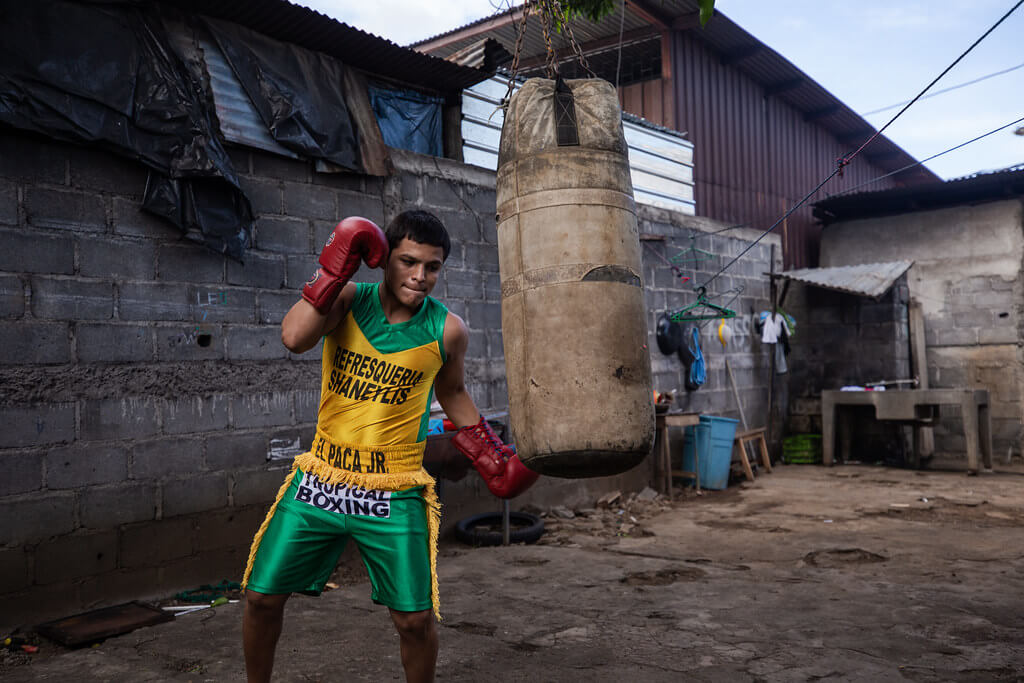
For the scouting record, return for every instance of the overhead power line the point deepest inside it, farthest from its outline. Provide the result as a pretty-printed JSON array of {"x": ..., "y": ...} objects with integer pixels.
[
  {"x": 949, "y": 89},
  {"x": 924, "y": 161}
]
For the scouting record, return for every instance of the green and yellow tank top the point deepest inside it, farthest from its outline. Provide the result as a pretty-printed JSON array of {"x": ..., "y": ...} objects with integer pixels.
[{"x": 378, "y": 378}]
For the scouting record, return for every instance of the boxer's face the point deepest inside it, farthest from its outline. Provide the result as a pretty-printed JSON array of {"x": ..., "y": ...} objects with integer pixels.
[{"x": 412, "y": 271}]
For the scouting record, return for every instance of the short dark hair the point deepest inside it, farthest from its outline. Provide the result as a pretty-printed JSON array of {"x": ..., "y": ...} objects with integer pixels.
[{"x": 419, "y": 226}]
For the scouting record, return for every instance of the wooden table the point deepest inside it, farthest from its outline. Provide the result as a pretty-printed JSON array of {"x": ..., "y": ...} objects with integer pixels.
[
  {"x": 662, "y": 423},
  {"x": 916, "y": 407}
]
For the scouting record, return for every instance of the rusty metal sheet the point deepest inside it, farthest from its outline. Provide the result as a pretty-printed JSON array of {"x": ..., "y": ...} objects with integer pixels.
[{"x": 869, "y": 279}]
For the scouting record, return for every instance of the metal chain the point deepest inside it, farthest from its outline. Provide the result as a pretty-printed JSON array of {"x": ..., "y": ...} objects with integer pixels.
[
  {"x": 520, "y": 34},
  {"x": 572, "y": 40},
  {"x": 550, "y": 61}
]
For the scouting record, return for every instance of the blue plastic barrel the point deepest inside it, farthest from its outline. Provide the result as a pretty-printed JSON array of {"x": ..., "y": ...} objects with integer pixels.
[{"x": 713, "y": 436}]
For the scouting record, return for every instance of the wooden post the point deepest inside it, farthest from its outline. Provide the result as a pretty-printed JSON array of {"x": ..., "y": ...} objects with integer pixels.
[{"x": 771, "y": 378}]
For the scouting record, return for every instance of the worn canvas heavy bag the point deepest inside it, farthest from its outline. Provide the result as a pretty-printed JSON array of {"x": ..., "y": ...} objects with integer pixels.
[{"x": 573, "y": 318}]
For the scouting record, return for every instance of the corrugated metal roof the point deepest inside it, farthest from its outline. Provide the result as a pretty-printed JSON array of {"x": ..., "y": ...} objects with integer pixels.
[
  {"x": 1005, "y": 183},
  {"x": 734, "y": 44},
  {"x": 869, "y": 279},
  {"x": 302, "y": 26}
]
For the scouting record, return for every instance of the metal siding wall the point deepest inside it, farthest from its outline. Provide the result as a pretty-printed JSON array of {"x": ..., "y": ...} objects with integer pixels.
[{"x": 755, "y": 157}]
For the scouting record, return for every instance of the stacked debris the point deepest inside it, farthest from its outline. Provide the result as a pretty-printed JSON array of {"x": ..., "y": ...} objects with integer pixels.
[{"x": 612, "y": 517}]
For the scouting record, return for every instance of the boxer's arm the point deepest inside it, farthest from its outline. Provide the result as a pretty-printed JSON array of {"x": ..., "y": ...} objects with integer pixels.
[
  {"x": 303, "y": 326},
  {"x": 505, "y": 475},
  {"x": 450, "y": 382}
]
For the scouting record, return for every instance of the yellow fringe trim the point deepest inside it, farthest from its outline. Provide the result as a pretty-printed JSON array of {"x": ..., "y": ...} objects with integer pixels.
[
  {"x": 263, "y": 527},
  {"x": 390, "y": 481}
]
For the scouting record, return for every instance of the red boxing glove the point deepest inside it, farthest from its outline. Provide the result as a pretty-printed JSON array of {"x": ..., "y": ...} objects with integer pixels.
[
  {"x": 354, "y": 239},
  {"x": 502, "y": 470}
]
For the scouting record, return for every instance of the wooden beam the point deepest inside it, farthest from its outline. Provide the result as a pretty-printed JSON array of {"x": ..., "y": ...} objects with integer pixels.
[
  {"x": 634, "y": 36},
  {"x": 782, "y": 86},
  {"x": 649, "y": 15},
  {"x": 487, "y": 26},
  {"x": 821, "y": 113},
  {"x": 685, "y": 22},
  {"x": 741, "y": 54}
]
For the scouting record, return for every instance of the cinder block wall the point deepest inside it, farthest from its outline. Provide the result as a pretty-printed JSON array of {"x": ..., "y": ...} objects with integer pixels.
[
  {"x": 844, "y": 339},
  {"x": 143, "y": 379}
]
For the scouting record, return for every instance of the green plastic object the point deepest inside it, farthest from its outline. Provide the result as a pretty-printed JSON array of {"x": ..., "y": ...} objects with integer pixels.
[
  {"x": 702, "y": 309},
  {"x": 802, "y": 449}
]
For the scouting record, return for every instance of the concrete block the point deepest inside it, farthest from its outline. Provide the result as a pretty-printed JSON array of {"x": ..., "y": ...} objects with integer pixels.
[
  {"x": 161, "y": 458},
  {"x": 69, "y": 467},
  {"x": 64, "y": 210},
  {"x": 956, "y": 337},
  {"x": 240, "y": 158},
  {"x": 8, "y": 203},
  {"x": 495, "y": 346},
  {"x": 36, "y": 516},
  {"x": 23, "y": 472},
  {"x": 267, "y": 165},
  {"x": 477, "y": 344},
  {"x": 257, "y": 487},
  {"x": 72, "y": 299},
  {"x": 150, "y": 544},
  {"x": 196, "y": 414},
  {"x": 35, "y": 251},
  {"x": 255, "y": 343},
  {"x": 998, "y": 335},
  {"x": 291, "y": 235},
  {"x": 973, "y": 318},
  {"x": 101, "y": 171},
  {"x": 259, "y": 270},
  {"x": 209, "y": 567},
  {"x": 233, "y": 450},
  {"x": 76, "y": 555},
  {"x": 153, "y": 301},
  {"x": 231, "y": 528},
  {"x": 119, "y": 418},
  {"x": 350, "y": 182},
  {"x": 410, "y": 187},
  {"x": 462, "y": 284},
  {"x": 14, "y": 574},
  {"x": 191, "y": 342},
  {"x": 270, "y": 409},
  {"x": 113, "y": 588},
  {"x": 999, "y": 284},
  {"x": 215, "y": 304},
  {"x": 32, "y": 158},
  {"x": 113, "y": 343},
  {"x": 116, "y": 258},
  {"x": 271, "y": 307},
  {"x": 195, "y": 494},
  {"x": 464, "y": 228},
  {"x": 303, "y": 200},
  {"x": 307, "y": 405},
  {"x": 299, "y": 269},
  {"x": 191, "y": 263},
  {"x": 484, "y": 315},
  {"x": 12, "y": 297},
  {"x": 130, "y": 219},
  {"x": 492, "y": 287},
  {"x": 27, "y": 343},
  {"x": 106, "y": 507},
  {"x": 264, "y": 195},
  {"x": 365, "y": 205},
  {"x": 35, "y": 425}
]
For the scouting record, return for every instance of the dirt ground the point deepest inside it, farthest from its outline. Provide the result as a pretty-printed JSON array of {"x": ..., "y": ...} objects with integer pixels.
[{"x": 853, "y": 573}]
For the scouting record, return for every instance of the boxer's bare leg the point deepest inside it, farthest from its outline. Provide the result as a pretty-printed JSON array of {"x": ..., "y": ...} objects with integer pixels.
[
  {"x": 417, "y": 633},
  {"x": 261, "y": 627}
]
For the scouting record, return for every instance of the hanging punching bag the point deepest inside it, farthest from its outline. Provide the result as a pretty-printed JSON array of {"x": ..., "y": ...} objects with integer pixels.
[{"x": 573, "y": 316}]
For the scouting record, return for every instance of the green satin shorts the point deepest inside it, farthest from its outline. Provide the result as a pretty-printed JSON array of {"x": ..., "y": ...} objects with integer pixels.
[{"x": 313, "y": 521}]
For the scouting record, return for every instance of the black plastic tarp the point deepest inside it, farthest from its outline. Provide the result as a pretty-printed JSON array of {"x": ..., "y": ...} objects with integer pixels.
[
  {"x": 298, "y": 93},
  {"x": 103, "y": 73},
  {"x": 408, "y": 119}
]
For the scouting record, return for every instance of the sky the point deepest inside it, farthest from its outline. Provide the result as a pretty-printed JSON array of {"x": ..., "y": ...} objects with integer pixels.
[{"x": 869, "y": 54}]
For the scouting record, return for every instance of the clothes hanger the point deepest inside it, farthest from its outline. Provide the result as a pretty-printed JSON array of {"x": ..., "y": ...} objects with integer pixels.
[
  {"x": 693, "y": 254},
  {"x": 702, "y": 309}
]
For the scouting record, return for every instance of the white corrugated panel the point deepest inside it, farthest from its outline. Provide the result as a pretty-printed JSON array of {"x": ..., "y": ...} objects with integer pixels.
[{"x": 661, "y": 164}]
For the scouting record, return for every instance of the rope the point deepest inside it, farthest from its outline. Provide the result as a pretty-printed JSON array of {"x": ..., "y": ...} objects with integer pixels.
[
  {"x": 924, "y": 161},
  {"x": 845, "y": 160}
]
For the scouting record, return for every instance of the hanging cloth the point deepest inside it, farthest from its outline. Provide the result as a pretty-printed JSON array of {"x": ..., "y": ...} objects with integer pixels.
[{"x": 697, "y": 372}]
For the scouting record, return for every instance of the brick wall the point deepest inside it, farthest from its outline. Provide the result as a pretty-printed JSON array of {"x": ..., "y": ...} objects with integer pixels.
[{"x": 144, "y": 381}]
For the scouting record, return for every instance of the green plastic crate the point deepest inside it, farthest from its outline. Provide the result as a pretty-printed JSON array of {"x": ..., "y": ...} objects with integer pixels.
[{"x": 802, "y": 449}]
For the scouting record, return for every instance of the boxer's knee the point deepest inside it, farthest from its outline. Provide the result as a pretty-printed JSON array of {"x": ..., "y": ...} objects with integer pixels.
[{"x": 414, "y": 625}]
